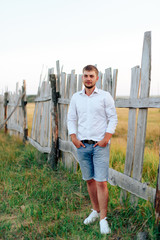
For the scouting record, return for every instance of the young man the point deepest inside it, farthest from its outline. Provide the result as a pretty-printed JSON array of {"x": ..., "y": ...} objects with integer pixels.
[{"x": 93, "y": 111}]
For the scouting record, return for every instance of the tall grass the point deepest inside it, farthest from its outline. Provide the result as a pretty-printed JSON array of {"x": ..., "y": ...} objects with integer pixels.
[{"x": 39, "y": 203}]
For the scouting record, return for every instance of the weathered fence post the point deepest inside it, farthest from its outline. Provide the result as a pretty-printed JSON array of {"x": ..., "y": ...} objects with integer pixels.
[
  {"x": 24, "y": 108},
  {"x": 53, "y": 156},
  {"x": 157, "y": 197},
  {"x": 134, "y": 92},
  {"x": 142, "y": 114},
  {"x": 5, "y": 110}
]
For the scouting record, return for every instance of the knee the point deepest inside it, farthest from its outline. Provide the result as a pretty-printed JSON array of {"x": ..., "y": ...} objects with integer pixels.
[
  {"x": 102, "y": 185},
  {"x": 91, "y": 181}
]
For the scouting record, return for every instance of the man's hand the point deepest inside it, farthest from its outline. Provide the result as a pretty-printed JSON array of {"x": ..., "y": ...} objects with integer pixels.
[
  {"x": 104, "y": 141},
  {"x": 76, "y": 142}
]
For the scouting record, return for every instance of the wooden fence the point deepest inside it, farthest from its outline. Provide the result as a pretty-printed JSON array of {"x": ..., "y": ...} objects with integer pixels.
[
  {"x": 139, "y": 98},
  {"x": 49, "y": 129},
  {"x": 13, "y": 112},
  {"x": 66, "y": 85},
  {"x": 41, "y": 125}
]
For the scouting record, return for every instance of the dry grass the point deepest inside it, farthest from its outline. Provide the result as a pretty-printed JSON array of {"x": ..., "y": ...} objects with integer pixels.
[{"x": 30, "y": 112}]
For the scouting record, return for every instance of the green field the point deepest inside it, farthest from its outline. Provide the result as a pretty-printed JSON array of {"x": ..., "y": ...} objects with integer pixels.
[{"x": 39, "y": 203}]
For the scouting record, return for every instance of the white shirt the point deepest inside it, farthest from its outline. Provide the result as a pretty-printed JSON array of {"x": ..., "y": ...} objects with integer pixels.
[{"x": 90, "y": 117}]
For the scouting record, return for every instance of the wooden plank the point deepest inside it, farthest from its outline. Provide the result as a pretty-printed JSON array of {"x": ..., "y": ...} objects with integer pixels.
[
  {"x": 129, "y": 103},
  {"x": 116, "y": 178},
  {"x": 142, "y": 115},
  {"x": 64, "y": 121},
  {"x": 134, "y": 90},
  {"x": 80, "y": 84},
  {"x": 43, "y": 99},
  {"x": 24, "y": 110},
  {"x": 131, "y": 185},
  {"x": 43, "y": 116},
  {"x": 132, "y": 121},
  {"x": 73, "y": 84},
  {"x": 99, "y": 82},
  {"x": 15, "y": 127},
  {"x": 64, "y": 101},
  {"x": 68, "y": 147},
  {"x": 50, "y": 127},
  {"x": 114, "y": 83},
  {"x": 6, "y": 96},
  {"x": 42, "y": 128},
  {"x": 53, "y": 157},
  {"x": 61, "y": 107},
  {"x": 66, "y": 107},
  {"x": 70, "y": 160},
  {"x": 152, "y": 102},
  {"x": 39, "y": 147},
  {"x": 47, "y": 113},
  {"x": 107, "y": 79},
  {"x": 46, "y": 125},
  {"x": 34, "y": 121},
  {"x": 38, "y": 122},
  {"x": 58, "y": 76}
]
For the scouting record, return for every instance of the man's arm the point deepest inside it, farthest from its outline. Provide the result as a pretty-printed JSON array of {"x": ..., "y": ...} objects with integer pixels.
[
  {"x": 112, "y": 121},
  {"x": 104, "y": 141},
  {"x": 72, "y": 123},
  {"x": 76, "y": 142}
]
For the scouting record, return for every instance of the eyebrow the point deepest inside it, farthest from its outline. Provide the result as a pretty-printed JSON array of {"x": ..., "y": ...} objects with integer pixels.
[{"x": 91, "y": 75}]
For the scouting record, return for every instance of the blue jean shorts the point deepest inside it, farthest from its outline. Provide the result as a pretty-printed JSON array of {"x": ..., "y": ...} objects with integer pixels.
[{"x": 94, "y": 162}]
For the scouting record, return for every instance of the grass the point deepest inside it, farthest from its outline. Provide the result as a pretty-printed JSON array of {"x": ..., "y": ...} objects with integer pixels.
[{"x": 39, "y": 203}]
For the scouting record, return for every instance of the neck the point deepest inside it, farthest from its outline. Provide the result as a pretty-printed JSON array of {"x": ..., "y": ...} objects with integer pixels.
[{"x": 89, "y": 91}]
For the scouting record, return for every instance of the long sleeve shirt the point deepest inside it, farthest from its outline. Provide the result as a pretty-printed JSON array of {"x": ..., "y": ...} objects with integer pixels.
[{"x": 90, "y": 117}]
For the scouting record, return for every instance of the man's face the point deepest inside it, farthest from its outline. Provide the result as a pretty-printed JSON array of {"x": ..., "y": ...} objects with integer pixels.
[{"x": 89, "y": 79}]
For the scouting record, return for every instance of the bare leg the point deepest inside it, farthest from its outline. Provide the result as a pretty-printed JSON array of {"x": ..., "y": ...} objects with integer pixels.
[
  {"x": 102, "y": 195},
  {"x": 92, "y": 190}
]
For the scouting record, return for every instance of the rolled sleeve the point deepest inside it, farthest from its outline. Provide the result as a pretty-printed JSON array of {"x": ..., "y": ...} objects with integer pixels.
[{"x": 111, "y": 114}]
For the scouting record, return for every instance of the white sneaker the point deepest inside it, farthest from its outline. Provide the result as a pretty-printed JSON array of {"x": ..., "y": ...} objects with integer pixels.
[
  {"x": 92, "y": 217},
  {"x": 104, "y": 227}
]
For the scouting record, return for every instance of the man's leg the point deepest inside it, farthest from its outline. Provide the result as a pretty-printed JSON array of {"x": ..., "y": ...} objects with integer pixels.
[
  {"x": 98, "y": 192},
  {"x": 102, "y": 196},
  {"x": 101, "y": 171},
  {"x": 92, "y": 190}
]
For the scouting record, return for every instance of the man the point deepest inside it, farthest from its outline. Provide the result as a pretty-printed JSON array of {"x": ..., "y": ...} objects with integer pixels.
[{"x": 93, "y": 111}]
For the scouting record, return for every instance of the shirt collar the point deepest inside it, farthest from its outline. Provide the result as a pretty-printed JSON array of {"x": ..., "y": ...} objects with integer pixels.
[{"x": 96, "y": 90}]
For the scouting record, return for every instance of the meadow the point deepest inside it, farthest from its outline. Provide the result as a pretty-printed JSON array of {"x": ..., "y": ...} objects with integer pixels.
[{"x": 39, "y": 203}]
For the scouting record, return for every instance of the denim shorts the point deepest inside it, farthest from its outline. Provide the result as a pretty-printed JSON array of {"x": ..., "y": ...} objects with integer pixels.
[{"x": 94, "y": 162}]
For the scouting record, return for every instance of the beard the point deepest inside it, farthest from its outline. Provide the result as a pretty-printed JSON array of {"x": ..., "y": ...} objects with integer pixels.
[{"x": 89, "y": 87}]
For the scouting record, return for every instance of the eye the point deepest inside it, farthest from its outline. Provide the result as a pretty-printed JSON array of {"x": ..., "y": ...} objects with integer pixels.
[{"x": 91, "y": 76}]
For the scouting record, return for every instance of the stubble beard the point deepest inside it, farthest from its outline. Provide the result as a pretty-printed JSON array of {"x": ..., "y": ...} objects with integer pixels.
[{"x": 89, "y": 87}]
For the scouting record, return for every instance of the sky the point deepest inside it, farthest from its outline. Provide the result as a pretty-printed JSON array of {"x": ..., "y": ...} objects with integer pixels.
[{"x": 34, "y": 34}]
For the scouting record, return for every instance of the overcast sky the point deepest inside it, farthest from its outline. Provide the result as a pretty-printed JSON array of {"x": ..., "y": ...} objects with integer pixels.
[{"x": 109, "y": 33}]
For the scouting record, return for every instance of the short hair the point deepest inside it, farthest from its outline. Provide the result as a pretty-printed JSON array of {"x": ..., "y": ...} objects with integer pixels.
[{"x": 91, "y": 68}]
